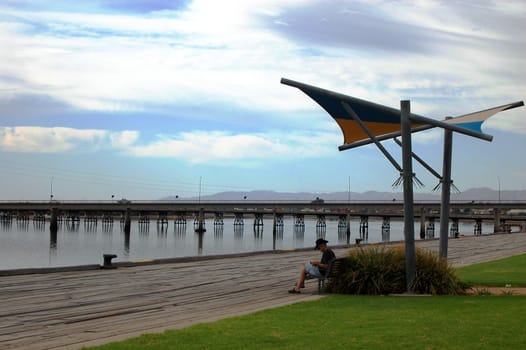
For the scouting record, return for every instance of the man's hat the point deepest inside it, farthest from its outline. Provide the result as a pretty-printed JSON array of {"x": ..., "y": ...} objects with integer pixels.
[{"x": 319, "y": 242}]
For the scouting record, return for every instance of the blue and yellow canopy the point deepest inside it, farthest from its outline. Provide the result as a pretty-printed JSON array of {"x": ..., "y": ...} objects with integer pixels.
[{"x": 381, "y": 120}]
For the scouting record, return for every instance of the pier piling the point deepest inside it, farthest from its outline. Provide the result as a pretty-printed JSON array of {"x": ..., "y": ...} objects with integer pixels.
[
  {"x": 127, "y": 221},
  {"x": 53, "y": 224}
]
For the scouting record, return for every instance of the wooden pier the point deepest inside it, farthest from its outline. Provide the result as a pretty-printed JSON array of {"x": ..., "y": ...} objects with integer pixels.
[
  {"x": 71, "y": 309},
  {"x": 178, "y": 212}
]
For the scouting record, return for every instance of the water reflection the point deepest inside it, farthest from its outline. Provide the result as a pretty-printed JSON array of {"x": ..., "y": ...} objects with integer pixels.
[
  {"x": 279, "y": 232},
  {"x": 126, "y": 243},
  {"x": 39, "y": 225},
  {"x": 277, "y": 236},
  {"x": 179, "y": 234},
  {"x": 199, "y": 242},
  {"x": 342, "y": 234},
  {"x": 321, "y": 231},
  {"x": 6, "y": 223},
  {"x": 144, "y": 229},
  {"x": 162, "y": 230},
  {"x": 199, "y": 225},
  {"x": 298, "y": 235},
  {"x": 238, "y": 231},
  {"x": 107, "y": 227},
  {"x": 71, "y": 225},
  {"x": 52, "y": 242},
  {"x": 180, "y": 230},
  {"x": 238, "y": 237},
  {"x": 89, "y": 226},
  {"x": 218, "y": 236},
  {"x": 80, "y": 243},
  {"x": 386, "y": 229},
  {"x": 258, "y": 232},
  {"x": 218, "y": 231},
  {"x": 258, "y": 236},
  {"x": 22, "y": 225}
]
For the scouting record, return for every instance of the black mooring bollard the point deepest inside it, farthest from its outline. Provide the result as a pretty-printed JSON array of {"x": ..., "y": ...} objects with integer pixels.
[{"x": 107, "y": 261}]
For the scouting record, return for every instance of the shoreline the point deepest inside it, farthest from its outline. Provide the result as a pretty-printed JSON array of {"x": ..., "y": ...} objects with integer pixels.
[{"x": 197, "y": 258}]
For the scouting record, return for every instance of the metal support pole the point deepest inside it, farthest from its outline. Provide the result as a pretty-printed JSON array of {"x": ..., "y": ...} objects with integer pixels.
[
  {"x": 274, "y": 223},
  {"x": 409, "y": 223},
  {"x": 201, "y": 222},
  {"x": 446, "y": 192},
  {"x": 348, "y": 228},
  {"x": 496, "y": 221},
  {"x": 422, "y": 223}
]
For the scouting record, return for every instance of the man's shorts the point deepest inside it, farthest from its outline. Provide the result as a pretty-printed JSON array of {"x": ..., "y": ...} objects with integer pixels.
[{"x": 312, "y": 270}]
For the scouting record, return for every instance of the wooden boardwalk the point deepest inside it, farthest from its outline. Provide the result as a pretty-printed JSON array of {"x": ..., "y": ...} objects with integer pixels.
[{"x": 68, "y": 310}]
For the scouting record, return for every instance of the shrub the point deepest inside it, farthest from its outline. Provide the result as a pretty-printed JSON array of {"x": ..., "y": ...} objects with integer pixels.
[
  {"x": 434, "y": 275},
  {"x": 377, "y": 270}
]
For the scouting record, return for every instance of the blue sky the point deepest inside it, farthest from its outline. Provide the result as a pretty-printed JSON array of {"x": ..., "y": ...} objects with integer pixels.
[{"x": 142, "y": 99}]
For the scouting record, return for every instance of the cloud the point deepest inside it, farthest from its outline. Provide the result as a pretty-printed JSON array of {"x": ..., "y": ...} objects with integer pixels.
[
  {"x": 427, "y": 137},
  {"x": 218, "y": 146},
  {"x": 122, "y": 62},
  {"x": 123, "y": 139},
  {"x": 33, "y": 139},
  {"x": 360, "y": 28},
  {"x": 230, "y": 56},
  {"x": 45, "y": 140},
  {"x": 196, "y": 147},
  {"x": 143, "y": 6},
  {"x": 408, "y": 27},
  {"x": 510, "y": 121}
]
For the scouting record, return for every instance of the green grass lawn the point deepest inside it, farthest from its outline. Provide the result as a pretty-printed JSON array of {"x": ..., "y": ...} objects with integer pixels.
[
  {"x": 496, "y": 273},
  {"x": 371, "y": 322},
  {"x": 360, "y": 322}
]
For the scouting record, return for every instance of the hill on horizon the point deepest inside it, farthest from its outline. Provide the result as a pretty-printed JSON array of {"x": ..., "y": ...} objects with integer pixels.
[{"x": 474, "y": 194}]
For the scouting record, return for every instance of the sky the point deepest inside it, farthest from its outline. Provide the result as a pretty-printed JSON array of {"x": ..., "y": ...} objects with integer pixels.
[{"x": 143, "y": 99}]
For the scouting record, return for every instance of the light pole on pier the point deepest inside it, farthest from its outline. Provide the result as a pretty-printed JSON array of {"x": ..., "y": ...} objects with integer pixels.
[
  {"x": 498, "y": 179},
  {"x": 51, "y": 190}
]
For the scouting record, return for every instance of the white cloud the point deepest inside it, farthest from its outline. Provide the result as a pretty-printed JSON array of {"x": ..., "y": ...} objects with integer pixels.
[
  {"x": 511, "y": 121},
  {"x": 217, "y": 146},
  {"x": 224, "y": 54},
  {"x": 48, "y": 140},
  {"x": 119, "y": 62},
  {"x": 427, "y": 137},
  {"x": 34, "y": 139},
  {"x": 194, "y": 147},
  {"x": 123, "y": 139}
]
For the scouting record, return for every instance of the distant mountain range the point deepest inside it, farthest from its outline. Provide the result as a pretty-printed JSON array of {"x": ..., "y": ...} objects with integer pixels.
[{"x": 474, "y": 194}]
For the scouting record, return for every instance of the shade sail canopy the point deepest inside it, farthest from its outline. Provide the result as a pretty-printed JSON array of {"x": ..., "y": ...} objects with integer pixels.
[
  {"x": 473, "y": 121},
  {"x": 378, "y": 119}
]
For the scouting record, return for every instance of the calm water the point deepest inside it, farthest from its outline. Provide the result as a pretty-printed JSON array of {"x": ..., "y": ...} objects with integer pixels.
[{"x": 30, "y": 244}]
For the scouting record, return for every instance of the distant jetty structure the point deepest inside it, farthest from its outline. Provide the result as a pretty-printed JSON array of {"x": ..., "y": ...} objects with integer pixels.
[{"x": 506, "y": 216}]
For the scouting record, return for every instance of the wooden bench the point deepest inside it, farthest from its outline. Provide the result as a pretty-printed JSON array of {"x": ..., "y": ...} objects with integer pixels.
[{"x": 332, "y": 271}]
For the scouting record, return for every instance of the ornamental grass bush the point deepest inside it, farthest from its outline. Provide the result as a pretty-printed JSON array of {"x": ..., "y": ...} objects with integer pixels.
[{"x": 380, "y": 270}]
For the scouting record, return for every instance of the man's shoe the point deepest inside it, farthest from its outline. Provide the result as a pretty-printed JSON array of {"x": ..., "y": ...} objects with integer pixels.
[{"x": 294, "y": 291}]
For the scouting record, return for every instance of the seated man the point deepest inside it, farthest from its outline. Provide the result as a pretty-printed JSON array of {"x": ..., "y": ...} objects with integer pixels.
[{"x": 315, "y": 268}]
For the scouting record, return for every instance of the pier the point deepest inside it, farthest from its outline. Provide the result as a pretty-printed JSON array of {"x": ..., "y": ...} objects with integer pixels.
[
  {"x": 505, "y": 216},
  {"x": 71, "y": 309}
]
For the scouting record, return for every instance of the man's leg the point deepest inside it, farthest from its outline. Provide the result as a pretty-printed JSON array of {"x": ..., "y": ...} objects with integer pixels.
[{"x": 301, "y": 279}]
